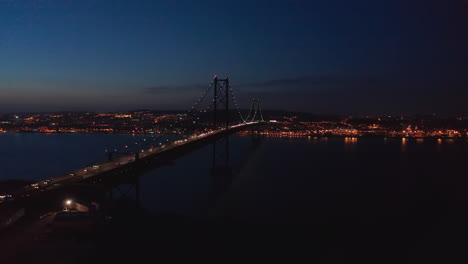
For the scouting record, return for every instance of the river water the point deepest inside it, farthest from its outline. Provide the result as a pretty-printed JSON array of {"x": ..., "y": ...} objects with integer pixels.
[{"x": 370, "y": 187}]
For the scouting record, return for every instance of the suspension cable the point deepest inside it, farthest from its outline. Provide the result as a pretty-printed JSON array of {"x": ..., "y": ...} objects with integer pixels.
[
  {"x": 255, "y": 110},
  {"x": 260, "y": 110},
  {"x": 250, "y": 110},
  {"x": 235, "y": 103}
]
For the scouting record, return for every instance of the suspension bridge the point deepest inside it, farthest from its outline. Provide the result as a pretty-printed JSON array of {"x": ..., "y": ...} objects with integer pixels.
[{"x": 195, "y": 129}]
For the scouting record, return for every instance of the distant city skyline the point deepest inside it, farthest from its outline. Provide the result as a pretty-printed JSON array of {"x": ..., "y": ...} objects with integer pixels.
[{"x": 325, "y": 57}]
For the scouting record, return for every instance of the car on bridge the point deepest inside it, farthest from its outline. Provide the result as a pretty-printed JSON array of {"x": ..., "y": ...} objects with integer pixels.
[
  {"x": 44, "y": 183},
  {"x": 117, "y": 163}
]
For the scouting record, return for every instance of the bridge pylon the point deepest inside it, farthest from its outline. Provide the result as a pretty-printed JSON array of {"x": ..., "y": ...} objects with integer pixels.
[{"x": 220, "y": 101}]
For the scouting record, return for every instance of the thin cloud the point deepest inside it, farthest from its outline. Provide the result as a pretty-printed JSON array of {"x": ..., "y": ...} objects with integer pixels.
[
  {"x": 174, "y": 88},
  {"x": 316, "y": 82}
]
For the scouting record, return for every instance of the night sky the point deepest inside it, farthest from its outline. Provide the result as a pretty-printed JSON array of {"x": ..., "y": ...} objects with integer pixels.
[{"x": 331, "y": 57}]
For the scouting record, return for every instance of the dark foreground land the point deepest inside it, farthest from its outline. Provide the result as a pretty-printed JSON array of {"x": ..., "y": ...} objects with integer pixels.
[{"x": 134, "y": 237}]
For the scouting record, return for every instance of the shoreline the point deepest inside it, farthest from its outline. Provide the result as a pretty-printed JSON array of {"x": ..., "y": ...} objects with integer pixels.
[{"x": 269, "y": 134}]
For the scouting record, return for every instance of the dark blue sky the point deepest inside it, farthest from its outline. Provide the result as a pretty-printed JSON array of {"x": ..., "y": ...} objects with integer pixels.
[{"x": 325, "y": 56}]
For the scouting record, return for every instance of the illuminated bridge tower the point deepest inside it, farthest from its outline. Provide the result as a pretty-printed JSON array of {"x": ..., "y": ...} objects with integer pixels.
[{"x": 220, "y": 99}]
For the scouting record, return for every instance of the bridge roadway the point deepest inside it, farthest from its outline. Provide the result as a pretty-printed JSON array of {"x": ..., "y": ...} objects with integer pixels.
[{"x": 118, "y": 163}]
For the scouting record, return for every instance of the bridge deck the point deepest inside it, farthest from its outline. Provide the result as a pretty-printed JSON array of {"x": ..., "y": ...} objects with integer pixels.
[{"x": 102, "y": 168}]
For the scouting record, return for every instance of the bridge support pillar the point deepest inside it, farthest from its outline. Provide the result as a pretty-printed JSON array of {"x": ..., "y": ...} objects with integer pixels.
[{"x": 126, "y": 190}]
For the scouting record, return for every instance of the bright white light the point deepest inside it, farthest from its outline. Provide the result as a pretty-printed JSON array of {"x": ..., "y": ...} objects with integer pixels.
[{"x": 68, "y": 202}]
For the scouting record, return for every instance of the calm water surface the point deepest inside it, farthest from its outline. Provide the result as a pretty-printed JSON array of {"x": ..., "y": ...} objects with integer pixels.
[
  {"x": 366, "y": 187},
  {"x": 275, "y": 175}
]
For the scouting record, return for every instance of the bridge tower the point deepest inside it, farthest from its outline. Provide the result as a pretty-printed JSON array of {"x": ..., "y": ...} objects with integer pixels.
[{"x": 220, "y": 99}]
